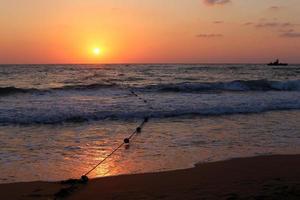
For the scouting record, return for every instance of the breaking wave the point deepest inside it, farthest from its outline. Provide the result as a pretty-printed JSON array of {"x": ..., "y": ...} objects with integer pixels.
[
  {"x": 14, "y": 90},
  {"x": 237, "y": 85},
  {"x": 76, "y": 112}
]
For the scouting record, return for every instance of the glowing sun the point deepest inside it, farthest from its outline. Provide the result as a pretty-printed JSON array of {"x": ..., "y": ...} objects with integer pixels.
[{"x": 97, "y": 51}]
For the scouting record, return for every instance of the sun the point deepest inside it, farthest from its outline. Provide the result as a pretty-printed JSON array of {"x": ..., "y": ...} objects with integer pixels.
[{"x": 97, "y": 51}]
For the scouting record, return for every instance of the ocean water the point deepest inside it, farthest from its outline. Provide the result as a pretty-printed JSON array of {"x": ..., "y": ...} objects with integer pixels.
[{"x": 58, "y": 121}]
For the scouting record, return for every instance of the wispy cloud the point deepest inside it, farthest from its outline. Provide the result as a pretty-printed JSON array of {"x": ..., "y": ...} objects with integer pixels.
[
  {"x": 210, "y": 35},
  {"x": 216, "y": 2},
  {"x": 271, "y": 24},
  {"x": 284, "y": 29},
  {"x": 218, "y": 22},
  {"x": 274, "y": 8},
  {"x": 267, "y": 25},
  {"x": 248, "y": 23},
  {"x": 290, "y": 34}
]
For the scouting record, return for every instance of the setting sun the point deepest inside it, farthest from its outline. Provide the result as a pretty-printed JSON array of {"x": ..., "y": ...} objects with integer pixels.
[{"x": 97, "y": 51}]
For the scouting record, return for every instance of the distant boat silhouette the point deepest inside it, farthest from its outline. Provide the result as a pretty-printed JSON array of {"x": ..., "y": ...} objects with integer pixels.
[{"x": 277, "y": 63}]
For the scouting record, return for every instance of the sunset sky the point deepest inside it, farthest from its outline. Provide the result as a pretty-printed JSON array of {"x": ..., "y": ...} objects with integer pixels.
[{"x": 149, "y": 31}]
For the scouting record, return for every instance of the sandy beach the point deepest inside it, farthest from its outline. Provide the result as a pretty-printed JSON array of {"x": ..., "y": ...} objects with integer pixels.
[{"x": 263, "y": 177}]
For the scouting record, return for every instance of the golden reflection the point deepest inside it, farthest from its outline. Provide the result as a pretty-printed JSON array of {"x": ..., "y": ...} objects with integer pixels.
[
  {"x": 110, "y": 167},
  {"x": 113, "y": 165}
]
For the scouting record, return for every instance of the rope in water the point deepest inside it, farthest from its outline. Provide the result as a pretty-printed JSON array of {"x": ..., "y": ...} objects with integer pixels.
[
  {"x": 126, "y": 140},
  {"x": 64, "y": 192}
]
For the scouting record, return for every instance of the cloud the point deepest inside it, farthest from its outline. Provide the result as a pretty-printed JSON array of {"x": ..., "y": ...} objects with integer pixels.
[
  {"x": 216, "y": 2},
  {"x": 218, "y": 22},
  {"x": 274, "y": 25},
  {"x": 248, "y": 23},
  {"x": 210, "y": 35},
  {"x": 271, "y": 24},
  {"x": 291, "y": 35},
  {"x": 267, "y": 25},
  {"x": 274, "y": 8},
  {"x": 284, "y": 29}
]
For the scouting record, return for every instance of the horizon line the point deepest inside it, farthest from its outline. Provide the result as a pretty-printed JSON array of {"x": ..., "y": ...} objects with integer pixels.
[{"x": 147, "y": 63}]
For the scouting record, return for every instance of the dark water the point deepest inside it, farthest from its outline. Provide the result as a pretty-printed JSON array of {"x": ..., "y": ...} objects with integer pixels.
[{"x": 56, "y": 121}]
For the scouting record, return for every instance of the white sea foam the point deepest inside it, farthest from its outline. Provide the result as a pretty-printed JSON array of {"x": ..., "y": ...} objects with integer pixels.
[{"x": 82, "y": 106}]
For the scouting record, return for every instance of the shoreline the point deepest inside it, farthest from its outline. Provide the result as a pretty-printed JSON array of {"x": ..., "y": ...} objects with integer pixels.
[{"x": 260, "y": 177}]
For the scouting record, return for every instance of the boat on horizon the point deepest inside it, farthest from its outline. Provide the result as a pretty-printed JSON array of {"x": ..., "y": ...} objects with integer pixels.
[{"x": 277, "y": 63}]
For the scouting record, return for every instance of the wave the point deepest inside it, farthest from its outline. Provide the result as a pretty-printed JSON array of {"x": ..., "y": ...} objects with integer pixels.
[
  {"x": 237, "y": 85},
  {"x": 76, "y": 114},
  {"x": 13, "y": 90},
  {"x": 4, "y": 91},
  {"x": 135, "y": 116},
  {"x": 93, "y": 86}
]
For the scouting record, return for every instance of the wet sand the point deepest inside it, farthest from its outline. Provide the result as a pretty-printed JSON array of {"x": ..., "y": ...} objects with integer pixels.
[{"x": 263, "y": 177}]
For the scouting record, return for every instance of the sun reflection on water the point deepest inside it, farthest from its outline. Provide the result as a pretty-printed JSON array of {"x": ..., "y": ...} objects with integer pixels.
[{"x": 70, "y": 152}]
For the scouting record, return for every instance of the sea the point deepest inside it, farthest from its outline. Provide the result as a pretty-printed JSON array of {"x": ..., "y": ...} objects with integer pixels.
[{"x": 58, "y": 121}]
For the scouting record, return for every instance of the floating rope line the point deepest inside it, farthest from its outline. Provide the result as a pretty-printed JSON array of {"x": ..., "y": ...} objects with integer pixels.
[
  {"x": 73, "y": 183},
  {"x": 125, "y": 141},
  {"x": 84, "y": 178},
  {"x": 142, "y": 99}
]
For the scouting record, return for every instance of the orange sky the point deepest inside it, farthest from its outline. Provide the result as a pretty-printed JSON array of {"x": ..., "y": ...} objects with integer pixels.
[{"x": 143, "y": 31}]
